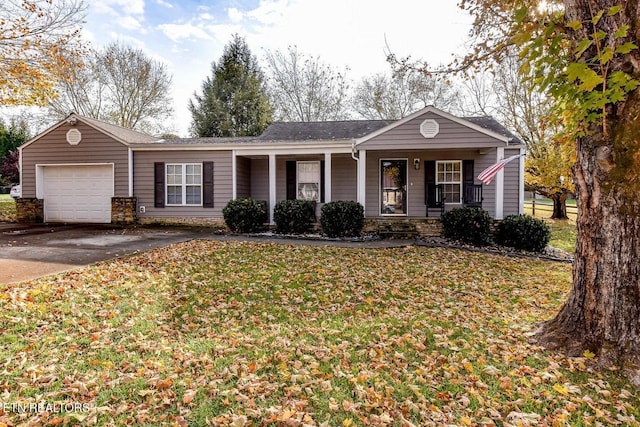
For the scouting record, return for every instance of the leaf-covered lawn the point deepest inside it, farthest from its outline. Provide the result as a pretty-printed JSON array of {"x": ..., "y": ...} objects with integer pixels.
[
  {"x": 213, "y": 333},
  {"x": 7, "y": 208}
]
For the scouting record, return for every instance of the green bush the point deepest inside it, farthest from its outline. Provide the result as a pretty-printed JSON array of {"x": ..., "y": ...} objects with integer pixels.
[
  {"x": 245, "y": 215},
  {"x": 469, "y": 225},
  {"x": 523, "y": 232},
  {"x": 294, "y": 216},
  {"x": 342, "y": 219}
]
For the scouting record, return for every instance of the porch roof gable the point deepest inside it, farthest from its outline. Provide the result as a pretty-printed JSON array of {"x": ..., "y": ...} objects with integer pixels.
[{"x": 484, "y": 125}]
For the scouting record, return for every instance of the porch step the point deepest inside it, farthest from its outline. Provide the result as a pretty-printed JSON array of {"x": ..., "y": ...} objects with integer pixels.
[{"x": 397, "y": 229}]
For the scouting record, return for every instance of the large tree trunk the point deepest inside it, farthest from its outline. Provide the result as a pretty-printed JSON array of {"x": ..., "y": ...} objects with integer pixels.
[{"x": 602, "y": 313}]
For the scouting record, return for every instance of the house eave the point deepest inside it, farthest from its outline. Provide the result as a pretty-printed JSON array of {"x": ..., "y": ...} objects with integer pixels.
[{"x": 253, "y": 147}]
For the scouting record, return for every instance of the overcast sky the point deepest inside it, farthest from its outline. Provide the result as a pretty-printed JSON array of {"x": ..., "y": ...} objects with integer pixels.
[{"x": 188, "y": 35}]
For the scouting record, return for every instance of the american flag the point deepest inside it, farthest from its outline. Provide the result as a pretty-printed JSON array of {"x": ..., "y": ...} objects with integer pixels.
[{"x": 486, "y": 176}]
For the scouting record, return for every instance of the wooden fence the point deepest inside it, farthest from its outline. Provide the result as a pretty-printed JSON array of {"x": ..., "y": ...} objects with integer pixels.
[{"x": 545, "y": 210}]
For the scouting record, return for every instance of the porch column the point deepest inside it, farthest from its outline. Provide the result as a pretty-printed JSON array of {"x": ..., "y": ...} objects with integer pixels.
[
  {"x": 500, "y": 186},
  {"x": 327, "y": 177},
  {"x": 521, "y": 182},
  {"x": 129, "y": 171},
  {"x": 362, "y": 177},
  {"x": 272, "y": 186},
  {"x": 234, "y": 176}
]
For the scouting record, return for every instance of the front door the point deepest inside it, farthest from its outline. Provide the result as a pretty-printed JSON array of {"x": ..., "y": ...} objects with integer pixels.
[{"x": 393, "y": 187}]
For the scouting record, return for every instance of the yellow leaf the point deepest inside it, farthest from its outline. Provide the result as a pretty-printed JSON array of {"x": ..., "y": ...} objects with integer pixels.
[
  {"x": 561, "y": 389},
  {"x": 347, "y": 422},
  {"x": 465, "y": 420},
  {"x": 588, "y": 354}
]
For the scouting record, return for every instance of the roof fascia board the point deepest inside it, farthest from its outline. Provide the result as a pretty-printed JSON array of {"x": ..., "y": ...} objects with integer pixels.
[
  {"x": 46, "y": 131},
  {"x": 276, "y": 148},
  {"x": 434, "y": 110}
]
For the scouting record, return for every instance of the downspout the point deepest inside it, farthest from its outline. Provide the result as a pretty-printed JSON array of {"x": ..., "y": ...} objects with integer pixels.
[
  {"x": 353, "y": 151},
  {"x": 20, "y": 166}
]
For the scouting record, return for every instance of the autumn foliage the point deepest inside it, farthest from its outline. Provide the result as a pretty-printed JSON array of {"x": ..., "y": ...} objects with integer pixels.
[
  {"x": 39, "y": 40},
  {"x": 258, "y": 334}
]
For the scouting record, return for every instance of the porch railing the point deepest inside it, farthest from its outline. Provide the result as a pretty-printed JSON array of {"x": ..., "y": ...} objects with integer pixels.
[
  {"x": 472, "y": 195},
  {"x": 435, "y": 197}
]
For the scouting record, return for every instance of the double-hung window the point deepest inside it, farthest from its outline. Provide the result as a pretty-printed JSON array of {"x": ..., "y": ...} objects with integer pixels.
[
  {"x": 184, "y": 184},
  {"x": 449, "y": 174},
  {"x": 308, "y": 180}
]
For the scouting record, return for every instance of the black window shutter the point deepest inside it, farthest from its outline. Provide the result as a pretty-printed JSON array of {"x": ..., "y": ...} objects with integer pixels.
[
  {"x": 429, "y": 182},
  {"x": 467, "y": 171},
  {"x": 158, "y": 184},
  {"x": 207, "y": 184},
  {"x": 291, "y": 180},
  {"x": 321, "y": 181}
]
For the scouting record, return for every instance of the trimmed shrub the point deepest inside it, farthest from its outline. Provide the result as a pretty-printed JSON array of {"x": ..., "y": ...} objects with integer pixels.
[
  {"x": 523, "y": 232},
  {"x": 294, "y": 216},
  {"x": 245, "y": 215},
  {"x": 342, "y": 219},
  {"x": 469, "y": 225}
]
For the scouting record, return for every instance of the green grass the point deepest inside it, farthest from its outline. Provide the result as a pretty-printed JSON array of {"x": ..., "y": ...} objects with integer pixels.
[
  {"x": 563, "y": 232},
  {"x": 563, "y": 235},
  {"x": 213, "y": 333},
  {"x": 7, "y": 208}
]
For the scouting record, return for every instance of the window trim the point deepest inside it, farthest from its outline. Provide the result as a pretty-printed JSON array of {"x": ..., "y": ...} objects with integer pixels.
[
  {"x": 319, "y": 182},
  {"x": 184, "y": 184},
  {"x": 460, "y": 183}
]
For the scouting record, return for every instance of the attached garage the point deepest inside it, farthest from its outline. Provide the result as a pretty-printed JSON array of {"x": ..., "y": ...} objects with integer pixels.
[{"x": 76, "y": 193}]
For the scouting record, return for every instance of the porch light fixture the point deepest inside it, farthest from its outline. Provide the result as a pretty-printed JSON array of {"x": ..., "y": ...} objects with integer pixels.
[{"x": 416, "y": 163}]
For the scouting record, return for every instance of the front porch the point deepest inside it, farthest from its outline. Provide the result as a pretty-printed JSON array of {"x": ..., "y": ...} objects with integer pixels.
[{"x": 409, "y": 185}]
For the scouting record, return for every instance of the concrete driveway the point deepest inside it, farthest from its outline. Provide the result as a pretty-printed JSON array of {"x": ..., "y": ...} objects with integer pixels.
[{"x": 34, "y": 251}]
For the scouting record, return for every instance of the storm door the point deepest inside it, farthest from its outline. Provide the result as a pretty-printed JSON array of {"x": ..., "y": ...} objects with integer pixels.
[{"x": 393, "y": 187}]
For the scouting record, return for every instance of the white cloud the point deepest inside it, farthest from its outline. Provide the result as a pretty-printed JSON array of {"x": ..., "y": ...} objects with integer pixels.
[
  {"x": 235, "y": 15},
  {"x": 164, "y": 4},
  {"x": 270, "y": 12},
  {"x": 129, "y": 23},
  {"x": 126, "y": 7},
  {"x": 181, "y": 32}
]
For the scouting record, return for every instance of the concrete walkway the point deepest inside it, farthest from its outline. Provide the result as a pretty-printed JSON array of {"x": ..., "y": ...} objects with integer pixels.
[{"x": 30, "y": 252}]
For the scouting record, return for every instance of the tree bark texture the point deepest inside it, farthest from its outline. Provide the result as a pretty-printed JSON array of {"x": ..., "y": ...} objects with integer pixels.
[
  {"x": 602, "y": 313},
  {"x": 559, "y": 206}
]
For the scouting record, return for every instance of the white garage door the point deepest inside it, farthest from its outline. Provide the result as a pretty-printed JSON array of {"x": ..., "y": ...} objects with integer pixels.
[{"x": 78, "y": 193}]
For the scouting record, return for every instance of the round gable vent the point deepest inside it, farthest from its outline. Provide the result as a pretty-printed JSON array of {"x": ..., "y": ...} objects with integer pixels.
[
  {"x": 74, "y": 136},
  {"x": 429, "y": 128}
]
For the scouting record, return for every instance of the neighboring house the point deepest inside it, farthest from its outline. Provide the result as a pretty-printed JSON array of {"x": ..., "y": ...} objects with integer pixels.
[{"x": 85, "y": 170}]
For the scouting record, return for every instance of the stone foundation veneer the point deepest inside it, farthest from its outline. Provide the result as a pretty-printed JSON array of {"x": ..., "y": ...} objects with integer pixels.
[
  {"x": 123, "y": 210},
  {"x": 29, "y": 210}
]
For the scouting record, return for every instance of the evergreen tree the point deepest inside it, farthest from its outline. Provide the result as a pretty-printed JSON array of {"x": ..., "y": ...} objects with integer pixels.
[{"x": 233, "y": 100}]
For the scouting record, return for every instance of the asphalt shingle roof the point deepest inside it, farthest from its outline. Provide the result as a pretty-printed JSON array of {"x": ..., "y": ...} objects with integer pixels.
[
  {"x": 321, "y": 131},
  {"x": 124, "y": 134}
]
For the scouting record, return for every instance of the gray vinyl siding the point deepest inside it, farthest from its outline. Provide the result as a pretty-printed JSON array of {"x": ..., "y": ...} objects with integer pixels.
[
  {"x": 416, "y": 207},
  {"x": 511, "y": 184},
  {"x": 344, "y": 175},
  {"x": 243, "y": 170},
  {"x": 260, "y": 179},
  {"x": 95, "y": 147},
  {"x": 451, "y": 135},
  {"x": 143, "y": 182}
]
